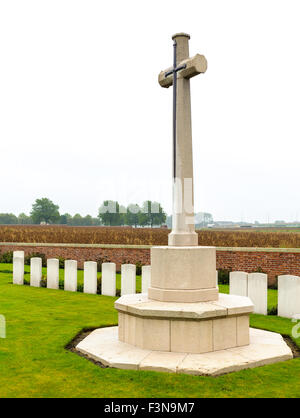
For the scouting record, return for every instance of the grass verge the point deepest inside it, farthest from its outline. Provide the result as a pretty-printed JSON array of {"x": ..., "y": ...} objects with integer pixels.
[{"x": 41, "y": 322}]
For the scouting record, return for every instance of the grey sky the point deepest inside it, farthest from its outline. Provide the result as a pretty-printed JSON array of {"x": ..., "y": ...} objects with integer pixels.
[{"x": 83, "y": 118}]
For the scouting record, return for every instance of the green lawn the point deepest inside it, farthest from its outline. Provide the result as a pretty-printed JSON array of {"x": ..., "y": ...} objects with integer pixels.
[{"x": 34, "y": 362}]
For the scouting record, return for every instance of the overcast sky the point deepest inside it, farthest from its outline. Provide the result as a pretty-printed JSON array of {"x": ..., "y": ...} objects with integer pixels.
[{"x": 83, "y": 118}]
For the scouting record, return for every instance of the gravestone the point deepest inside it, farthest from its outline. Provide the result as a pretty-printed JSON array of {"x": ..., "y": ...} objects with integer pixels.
[
  {"x": 70, "y": 275},
  {"x": 238, "y": 283},
  {"x": 18, "y": 267},
  {"x": 90, "y": 277},
  {"x": 19, "y": 254},
  {"x": 288, "y": 296},
  {"x": 258, "y": 292},
  {"x": 53, "y": 273},
  {"x": 18, "y": 270},
  {"x": 108, "y": 279},
  {"x": 35, "y": 271},
  {"x": 128, "y": 279}
]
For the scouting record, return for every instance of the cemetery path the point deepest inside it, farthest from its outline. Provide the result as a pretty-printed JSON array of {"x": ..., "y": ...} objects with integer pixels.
[{"x": 41, "y": 322}]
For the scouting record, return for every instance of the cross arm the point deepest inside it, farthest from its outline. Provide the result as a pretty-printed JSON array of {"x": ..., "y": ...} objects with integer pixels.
[{"x": 192, "y": 67}]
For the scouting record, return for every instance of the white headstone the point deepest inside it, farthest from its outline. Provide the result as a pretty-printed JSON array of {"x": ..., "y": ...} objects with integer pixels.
[
  {"x": 217, "y": 279},
  {"x": 35, "y": 271},
  {"x": 70, "y": 275},
  {"x": 238, "y": 283},
  {"x": 146, "y": 278},
  {"x": 258, "y": 292},
  {"x": 288, "y": 296},
  {"x": 19, "y": 254},
  {"x": 108, "y": 280},
  {"x": 18, "y": 270},
  {"x": 128, "y": 279},
  {"x": 90, "y": 277},
  {"x": 53, "y": 273}
]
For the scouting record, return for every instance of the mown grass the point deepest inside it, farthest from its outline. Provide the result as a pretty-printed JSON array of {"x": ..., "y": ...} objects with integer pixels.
[{"x": 35, "y": 363}]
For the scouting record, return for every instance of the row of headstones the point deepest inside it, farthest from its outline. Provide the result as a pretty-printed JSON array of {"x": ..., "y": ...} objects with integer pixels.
[
  {"x": 90, "y": 282},
  {"x": 255, "y": 286}
]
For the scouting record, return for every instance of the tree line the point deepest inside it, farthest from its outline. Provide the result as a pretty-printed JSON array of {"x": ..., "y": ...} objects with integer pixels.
[{"x": 111, "y": 213}]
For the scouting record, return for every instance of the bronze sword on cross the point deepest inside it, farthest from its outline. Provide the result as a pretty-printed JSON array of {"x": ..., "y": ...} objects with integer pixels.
[{"x": 174, "y": 72}]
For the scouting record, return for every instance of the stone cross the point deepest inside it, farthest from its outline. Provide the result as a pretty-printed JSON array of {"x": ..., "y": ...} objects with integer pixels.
[{"x": 183, "y": 224}]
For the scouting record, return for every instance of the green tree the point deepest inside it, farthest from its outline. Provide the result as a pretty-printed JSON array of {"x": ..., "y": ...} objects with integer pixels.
[
  {"x": 65, "y": 219},
  {"x": 87, "y": 220},
  {"x": 154, "y": 214},
  {"x": 8, "y": 219},
  {"x": 143, "y": 219},
  {"x": 132, "y": 216},
  {"x": 24, "y": 219},
  {"x": 111, "y": 213},
  {"x": 44, "y": 210},
  {"x": 77, "y": 220}
]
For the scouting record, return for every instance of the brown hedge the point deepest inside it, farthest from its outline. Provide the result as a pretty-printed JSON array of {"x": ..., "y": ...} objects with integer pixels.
[{"x": 145, "y": 236}]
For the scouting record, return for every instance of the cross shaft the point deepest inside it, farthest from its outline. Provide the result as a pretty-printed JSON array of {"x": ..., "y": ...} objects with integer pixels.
[{"x": 183, "y": 224}]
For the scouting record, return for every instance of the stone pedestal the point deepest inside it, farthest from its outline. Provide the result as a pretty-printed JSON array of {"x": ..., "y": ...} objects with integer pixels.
[
  {"x": 183, "y": 274},
  {"x": 199, "y": 327},
  {"x": 183, "y": 311}
]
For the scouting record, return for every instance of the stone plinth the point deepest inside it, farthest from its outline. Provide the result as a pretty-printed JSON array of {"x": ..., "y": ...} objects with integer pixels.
[
  {"x": 184, "y": 327},
  {"x": 265, "y": 348},
  {"x": 183, "y": 274}
]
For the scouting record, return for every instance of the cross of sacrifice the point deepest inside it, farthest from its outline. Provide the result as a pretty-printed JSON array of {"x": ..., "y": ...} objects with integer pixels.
[{"x": 183, "y": 225}]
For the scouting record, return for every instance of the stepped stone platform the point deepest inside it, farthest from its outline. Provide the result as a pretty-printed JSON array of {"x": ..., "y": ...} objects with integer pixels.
[{"x": 265, "y": 348}]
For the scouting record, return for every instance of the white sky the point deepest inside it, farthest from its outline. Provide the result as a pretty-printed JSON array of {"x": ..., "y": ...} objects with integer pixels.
[{"x": 83, "y": 119}]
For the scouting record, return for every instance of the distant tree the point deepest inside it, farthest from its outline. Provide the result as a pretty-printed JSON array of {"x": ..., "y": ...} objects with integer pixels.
[
  {"x": 158, "y": 216},
  {"x": 8, "y": 219},
  {"x": 44, "y": 210},
  {"x": 87, "y": 220},
  {"x": 132, "y": 215},
  {"x": 96, "y": 221},
  {"x": 24, "y": 219},
  {"x": 65, "y": 219},
  {"x": 111, "y": 213},
  {"x": 77, "y": 220},
  {"x": 155, "y": 214},
  {"x": 143, "y": 219}
]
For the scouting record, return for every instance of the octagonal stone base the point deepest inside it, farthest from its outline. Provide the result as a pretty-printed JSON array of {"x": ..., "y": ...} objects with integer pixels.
[
  {"x": 264, "y": 348},
  {"x": 199, "y": 327}
]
